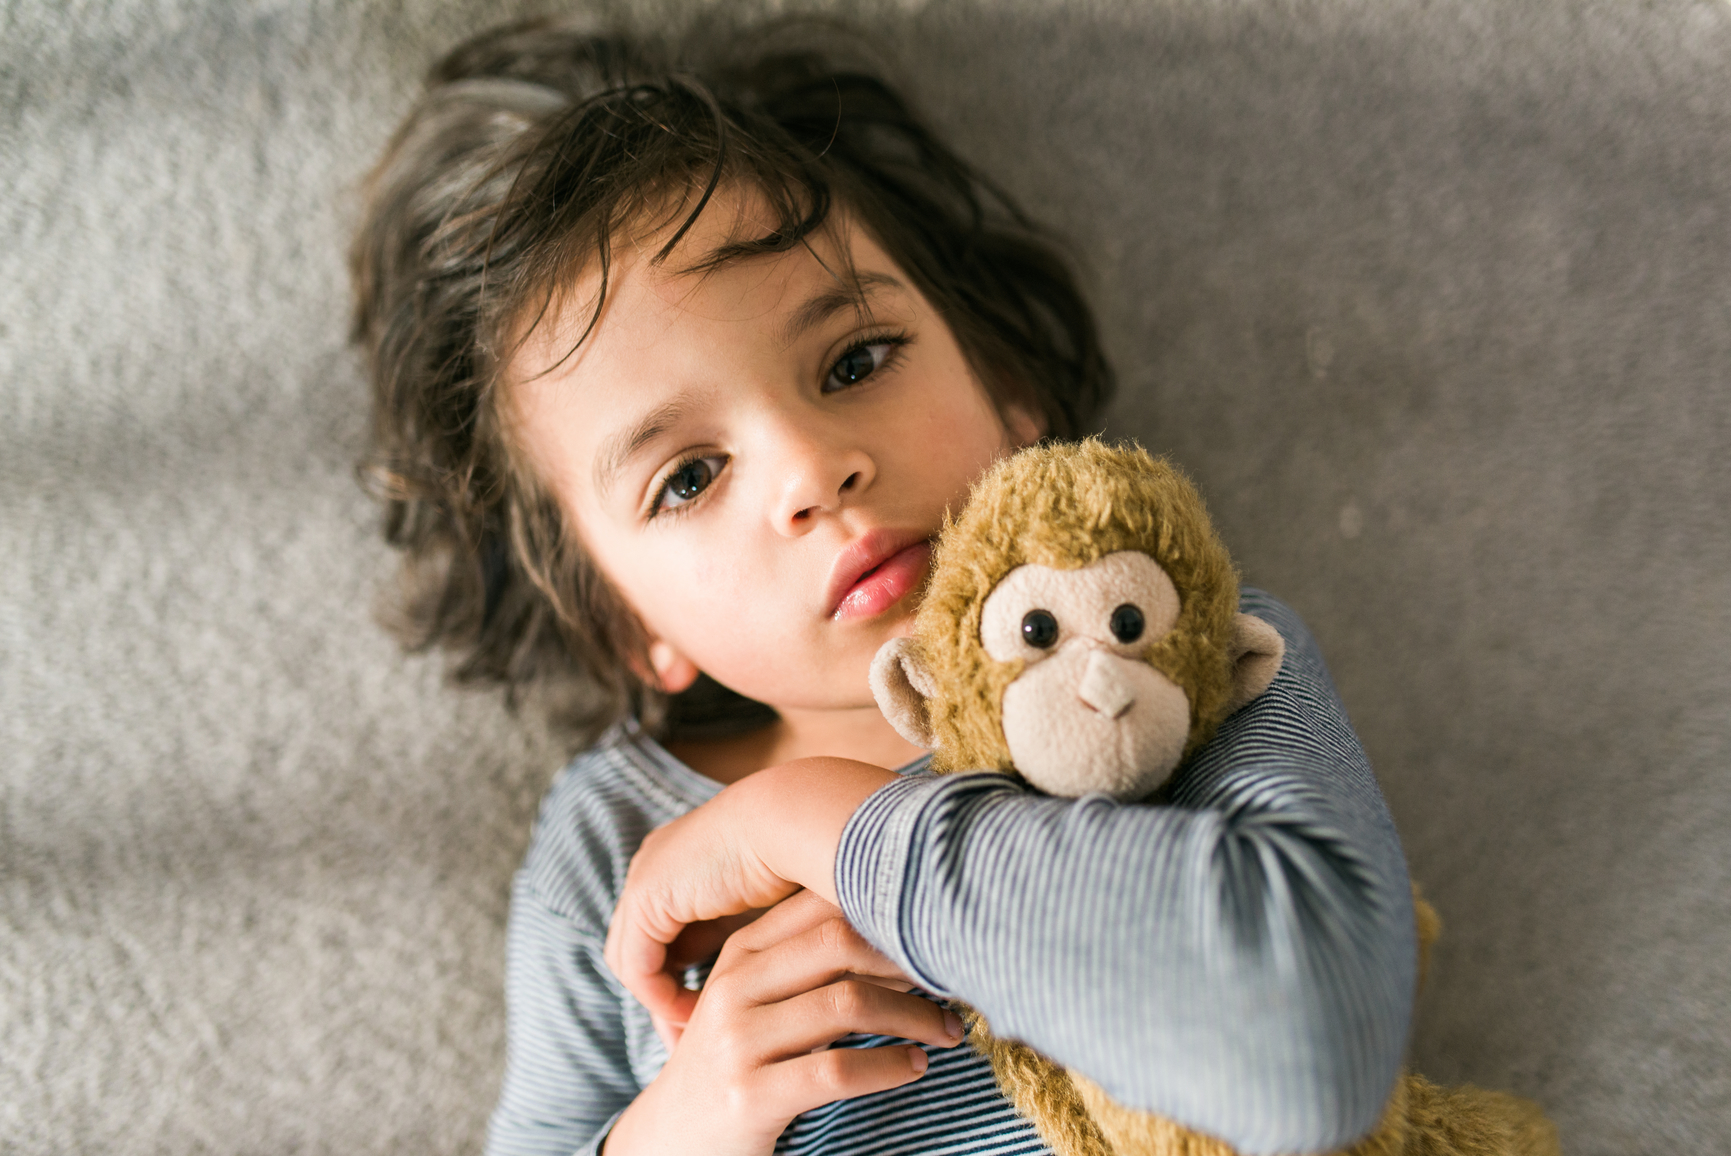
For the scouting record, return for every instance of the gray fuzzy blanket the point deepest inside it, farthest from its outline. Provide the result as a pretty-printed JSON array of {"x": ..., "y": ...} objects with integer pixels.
[{"x": 1433, "y": 297}]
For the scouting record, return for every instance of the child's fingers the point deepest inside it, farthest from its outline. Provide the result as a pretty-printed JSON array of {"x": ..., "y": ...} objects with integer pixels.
[
  {"x": 889, "y": 983},
  {"x": 810, "y": 1081},
  {"x": 700, "y": 941},
  {"x": 636, "y": 952},
  {"x": 647, "y": 965},
  {"x": 659, "y": 903},
  {"x": 826, "y": 1014},
  {"x": 664, "y": 996},
  {"x": 822, "y": 953},
  {"x": 797, "y": 913},
  {"x": 664, "y": 992},
  {"x": 670, "y": 1033}
]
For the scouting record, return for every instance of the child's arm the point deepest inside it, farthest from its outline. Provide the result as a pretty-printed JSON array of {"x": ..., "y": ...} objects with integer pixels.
[{"x": 1242, "y": 960}]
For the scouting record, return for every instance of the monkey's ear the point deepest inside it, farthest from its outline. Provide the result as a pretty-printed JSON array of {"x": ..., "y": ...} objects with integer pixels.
[
  {"x": 1257, "y": 649},
  {"x": 901, "y": 685}
]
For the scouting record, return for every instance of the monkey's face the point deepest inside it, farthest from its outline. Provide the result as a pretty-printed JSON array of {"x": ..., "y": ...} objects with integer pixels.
[
  {"x": 1087, "y": 678},
  {"x": 1088, "y": 712},
  {"x": 1081, "y": 626}
]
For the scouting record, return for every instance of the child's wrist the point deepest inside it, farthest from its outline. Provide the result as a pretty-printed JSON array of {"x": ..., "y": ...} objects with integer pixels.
[{"x": 794, "y": 815}]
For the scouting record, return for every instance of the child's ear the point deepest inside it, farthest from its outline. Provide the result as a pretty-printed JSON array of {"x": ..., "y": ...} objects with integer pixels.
[
  {"x": 673, "y": 671},
  {"x": 1022, "y": 425}
]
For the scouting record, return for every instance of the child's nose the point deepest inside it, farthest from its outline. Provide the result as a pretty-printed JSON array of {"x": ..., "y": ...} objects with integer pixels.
[{"x": 819, "y": 479}]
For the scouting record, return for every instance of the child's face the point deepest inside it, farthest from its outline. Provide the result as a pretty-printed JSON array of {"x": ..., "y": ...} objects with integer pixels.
[{"x": 755, "y": 458}]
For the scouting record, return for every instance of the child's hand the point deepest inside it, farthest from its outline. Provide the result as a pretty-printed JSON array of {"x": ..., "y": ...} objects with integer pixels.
[
  {"x": 694, "y": 870},
  {"x": 754, "y": 844},
  {"x": 753, "y": 1054}
]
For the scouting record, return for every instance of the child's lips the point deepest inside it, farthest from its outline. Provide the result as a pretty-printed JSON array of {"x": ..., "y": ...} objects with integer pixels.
[{"x": 882, "y": 587}]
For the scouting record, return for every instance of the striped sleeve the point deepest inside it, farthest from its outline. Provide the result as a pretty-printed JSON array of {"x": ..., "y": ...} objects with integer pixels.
[
  {"x": 1241, "y": 960},
  {"x": 567, "y": 1071}
]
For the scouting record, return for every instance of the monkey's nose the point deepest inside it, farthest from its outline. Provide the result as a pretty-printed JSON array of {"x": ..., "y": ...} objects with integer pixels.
[{"x": 1104, "y": 686}]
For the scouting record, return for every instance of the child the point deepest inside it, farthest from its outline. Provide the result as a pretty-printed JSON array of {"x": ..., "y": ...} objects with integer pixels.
[{"x": 678, "y": 365}]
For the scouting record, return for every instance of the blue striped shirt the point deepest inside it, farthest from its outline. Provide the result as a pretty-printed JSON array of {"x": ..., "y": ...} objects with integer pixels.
[{"x": 1241, "y": 960}]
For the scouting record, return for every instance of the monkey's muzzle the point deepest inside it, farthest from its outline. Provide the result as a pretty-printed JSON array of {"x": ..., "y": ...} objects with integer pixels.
[
  {"x": 1106, "y": 686},
  {"x": 1086, "y": 719}
]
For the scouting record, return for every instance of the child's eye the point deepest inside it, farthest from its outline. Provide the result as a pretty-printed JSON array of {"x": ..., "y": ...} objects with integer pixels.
[
  {"x": 861, "y": 362},
  {"x": 688, "y": 479}
]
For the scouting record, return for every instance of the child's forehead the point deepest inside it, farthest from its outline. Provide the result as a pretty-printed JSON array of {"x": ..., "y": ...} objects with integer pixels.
[
  {"x": 652, "y": 290},
  {"x": 838, "y": 251}
]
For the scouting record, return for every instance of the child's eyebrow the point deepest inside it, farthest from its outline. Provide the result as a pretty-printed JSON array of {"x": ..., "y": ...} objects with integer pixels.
[
  {"x": 617, "y": 449},
  {"x": 822, "y": 306}
]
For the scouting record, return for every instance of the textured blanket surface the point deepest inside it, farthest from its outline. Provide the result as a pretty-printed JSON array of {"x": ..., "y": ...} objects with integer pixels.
[{"x": 1434, "y": 298}]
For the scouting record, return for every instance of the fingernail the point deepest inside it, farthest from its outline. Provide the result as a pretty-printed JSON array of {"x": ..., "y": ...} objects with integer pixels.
[
  {"x": 918, "y": 1058},
  {"x": 953, "y": 1025}
]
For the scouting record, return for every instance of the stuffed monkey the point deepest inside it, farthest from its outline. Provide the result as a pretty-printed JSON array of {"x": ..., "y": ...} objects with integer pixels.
[{"x": 1081, "y": 629}]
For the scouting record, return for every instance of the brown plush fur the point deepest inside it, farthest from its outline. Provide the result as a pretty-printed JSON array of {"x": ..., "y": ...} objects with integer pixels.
[
  {"x": 1045, "y": 1093},
  {"x": 1421, "y": 1120},
  {"x": 1064, "y": 506}
]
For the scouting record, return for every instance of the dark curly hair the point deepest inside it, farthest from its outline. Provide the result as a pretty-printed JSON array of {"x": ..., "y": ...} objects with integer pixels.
[{"x": 532, "y": 146}]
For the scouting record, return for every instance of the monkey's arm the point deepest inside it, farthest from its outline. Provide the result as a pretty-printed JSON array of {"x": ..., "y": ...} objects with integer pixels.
[{"x": 1241, "y": 961}]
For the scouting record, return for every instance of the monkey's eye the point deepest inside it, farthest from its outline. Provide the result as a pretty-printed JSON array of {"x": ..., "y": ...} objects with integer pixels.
[
  {"x": 1126, "y": 623},
  {"x": 1039, "y": 628}
]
